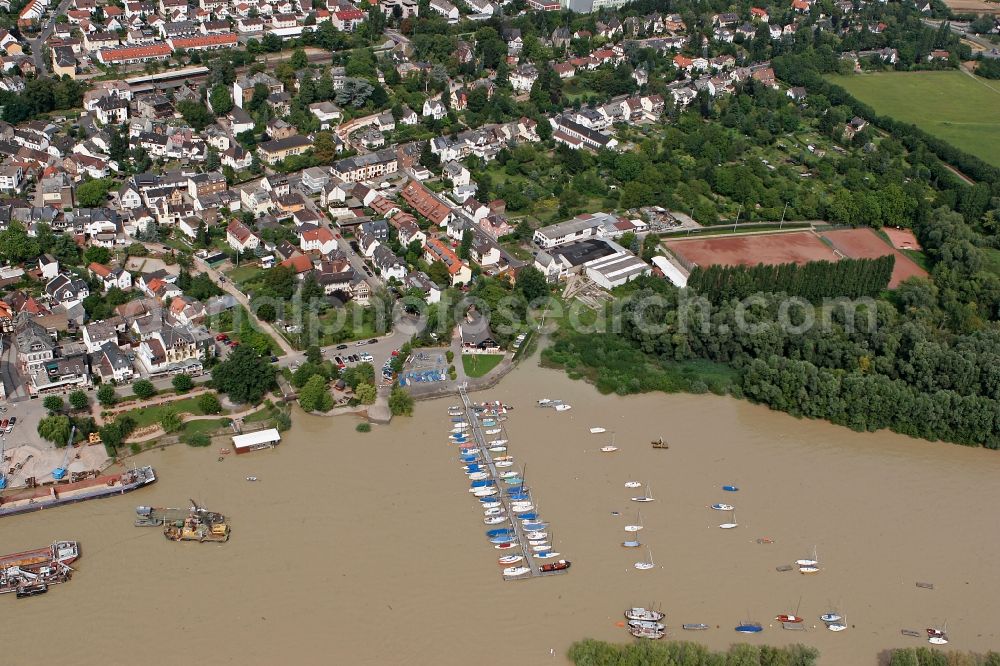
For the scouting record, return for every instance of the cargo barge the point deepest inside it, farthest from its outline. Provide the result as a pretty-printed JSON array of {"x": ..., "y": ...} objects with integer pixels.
[
  {"x": 30, "y": 573},
  {"x": 47, "y": 497},
  {"x": 194, "y": 524}
]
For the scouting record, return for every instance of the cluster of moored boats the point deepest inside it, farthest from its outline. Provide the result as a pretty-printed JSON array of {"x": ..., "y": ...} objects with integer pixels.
[{"x": 516, "y": 527}]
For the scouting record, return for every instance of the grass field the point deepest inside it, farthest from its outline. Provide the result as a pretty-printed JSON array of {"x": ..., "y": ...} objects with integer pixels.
[
  {"x": 954, "y": 106},
  {"x": 477, "y": 365}
]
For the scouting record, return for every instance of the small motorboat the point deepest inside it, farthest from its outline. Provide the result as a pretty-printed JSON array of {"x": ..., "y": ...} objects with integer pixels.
[
  {"x": 544, "y": 402},
  {"x": 498, "y": 449},
  {"x": 495, "y": 520},
  {"x": 493, "y": 511},
  {"x": 506, "y": 560},
  {"x": 749, "y": 628},
  {"x": 609, "y": 449},
  {"x": 597, "y": 430},
  {"x": 224, "y": 451},
  {"x": 829, "y": 617},
  {"x": 251, "y": 478},
  {"x": 722, "y": 507},
  {"x": 809, "y": 569},
  {"x": 938, "y": 640},
  {"x": 563, "y": 407},
  {"x": 546, "y": 555},
  {"x": 561, "y": 565},
  {"x": 644, "y": 614},
  {"x": 514, "y": 572},
  {"x": 730, "y": 489},
  {"x": 640, "y": 632},
  {"x": 488, "y": 423},
  {"x": 788, "y": 619},
  {"x": 492, "y": 431},
  {"x": 646, "y": 624},
  {"x": 698, "y": 626},
  {"x": 633, "y": 484},
  {"x": 836, "y": 626}
]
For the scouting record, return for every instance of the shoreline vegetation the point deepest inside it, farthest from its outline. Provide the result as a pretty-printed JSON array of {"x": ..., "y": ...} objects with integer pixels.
[{"x": 590, "y": 652}]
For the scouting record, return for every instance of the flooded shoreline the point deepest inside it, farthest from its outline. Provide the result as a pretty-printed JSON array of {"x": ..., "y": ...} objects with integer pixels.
[{"x": 366, "y": 548}]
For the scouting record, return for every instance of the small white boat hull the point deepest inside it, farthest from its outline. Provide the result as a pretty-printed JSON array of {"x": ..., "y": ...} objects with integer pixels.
[
  {"x": 836, "y": 626},
  {"x": 478, "y": 476},
  {"x": 609, "y": 449},
  {"x": 508, "y": 475},
  {"x": 633, "y": 484},
  {"x": 644, "y": 566},
  {"x": 485, "y": 492},
  {"x": 729, "y": 526},
  {"x": 563, "y": 408},
  {"x": 493, "y": 431},
  {"x": 494, "y": 520},
  {"x": 597, "y": 431},
  {"x": 633, "y": 528},
  {"x": 643, "y": 499},
  {"x": 498, "y": 449},
  {"x": 510, "y": 559},
  {"x": 546, "y": 556},
  {"x": 504, "y": 463},
  {"x": 491, "y": 505},
  {"x": 537, "y": 535},
  {"x": 495, "y": 511},
  {"x": 513, "y": 572},
  {"x": 498, "y": 442}
]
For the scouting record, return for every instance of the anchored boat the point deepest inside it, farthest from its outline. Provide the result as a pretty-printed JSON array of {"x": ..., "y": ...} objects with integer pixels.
[
  {"x": 644, "y": 614},
  {"x": 30, "y": 572}
]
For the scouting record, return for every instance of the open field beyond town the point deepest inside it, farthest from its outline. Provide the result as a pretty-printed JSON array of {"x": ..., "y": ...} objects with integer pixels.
[
  {"x": 951, "y": 105},
  {"x": 797, "y": 247}
]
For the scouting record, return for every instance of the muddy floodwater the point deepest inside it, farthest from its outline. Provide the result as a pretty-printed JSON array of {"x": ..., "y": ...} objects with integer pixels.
[{"x": 368, "y": 549}]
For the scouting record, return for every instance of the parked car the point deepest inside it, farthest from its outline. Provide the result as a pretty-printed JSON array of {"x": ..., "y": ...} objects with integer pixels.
[
  {"x": 341, "y": 346},
  {"x": 274, "y": 359},
  {"x": 373, "y": 341},
  {"x": 4, "y": 424},
  {"x": 367, "y": 358},
  {"x": 13, "y": 420},
  {"x": 395, "y": 352},
  {"x": 222, "y": 337},
  {"x": 359, "y": 343},
  {"x": 233, "y": 344},
  {"x": 338, "y": 360},
  {"x": 355, "y": 358}
]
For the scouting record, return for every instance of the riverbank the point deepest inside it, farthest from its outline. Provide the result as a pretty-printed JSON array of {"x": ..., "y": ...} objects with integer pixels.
[{"x": 402, "y": 542}]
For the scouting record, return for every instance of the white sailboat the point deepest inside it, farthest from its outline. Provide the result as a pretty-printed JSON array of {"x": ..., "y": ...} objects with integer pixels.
[
  {"x": 731, "y": 524},
  {"x": 638, "y": 523},
  {"x": 610, "y": 448},
  {"x": 644, "y": 566},
  {"x": 809, "y": 562},
  {"x": 838, "y": 624},
  {"x": 514, "y": 572},
  {"x": 645, "y": 497}
]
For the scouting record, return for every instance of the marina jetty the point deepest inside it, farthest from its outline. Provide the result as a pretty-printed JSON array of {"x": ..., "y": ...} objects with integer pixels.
[
  {"x": 75, "y": 490},
  {"x": 517, "y": 530}
]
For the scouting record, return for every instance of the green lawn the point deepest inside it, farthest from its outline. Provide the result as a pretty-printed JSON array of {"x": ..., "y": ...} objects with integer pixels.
[
  {"x": 207, "y": 425},
  {"x": 956, "y": 107},
  {"x": 150, "y": 415},
  {"x": 477, "y": 365},
  {"x": 244, "y": 273}
]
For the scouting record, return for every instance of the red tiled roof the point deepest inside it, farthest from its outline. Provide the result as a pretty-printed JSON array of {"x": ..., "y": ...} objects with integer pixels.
[
  {"x": 445, "y": 254},
  {"x": 202, "y": 41},
  {"x": 132, "y": 52},
  {"x": 300, "y": 263},
  {"x": 321, "y": 234},
  {"x": 99, "y": 269}
]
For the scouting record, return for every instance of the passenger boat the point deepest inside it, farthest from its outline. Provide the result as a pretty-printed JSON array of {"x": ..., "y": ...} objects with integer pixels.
[
  {"x": 644, "y": 614},
  {"x": 597, "y": 431},
  {"x": 547, "y": 555},
  {"x": 510, "y": 559},
  {"x": 561, "y": 565},
  {"x": 514, "y": 572},
  {"x": 29, "y": 573},
  {"x": 790, "y": 619},
  {"x": 698, "y": 626},
  {"x": 563, "y": 407},
  {"x": 722, "y": 507},
  {"x": 749, "y": 628},
  {"x": 646, "y": 624},
  {"x": 651, "y": 634},
  {"x": 730, "y": 489}
]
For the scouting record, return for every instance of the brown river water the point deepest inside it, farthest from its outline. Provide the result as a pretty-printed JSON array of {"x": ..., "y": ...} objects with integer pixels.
[{"x": 368, "y": 549}]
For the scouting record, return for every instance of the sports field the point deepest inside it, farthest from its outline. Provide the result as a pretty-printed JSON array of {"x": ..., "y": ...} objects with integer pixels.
[
  {"x": 865, "y": 243},
  {"x": 797, "y": 247},
  {"x": 952, "y": 105}
]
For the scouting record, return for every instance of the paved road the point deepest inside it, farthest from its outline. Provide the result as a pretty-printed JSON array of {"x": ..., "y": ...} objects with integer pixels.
[{"x": 38, "y": 43}]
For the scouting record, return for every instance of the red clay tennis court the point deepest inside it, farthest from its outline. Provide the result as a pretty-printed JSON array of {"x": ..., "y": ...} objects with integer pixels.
[
  {"x": 799, "y": 247},
  {"x": 865, "y": 243}
]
